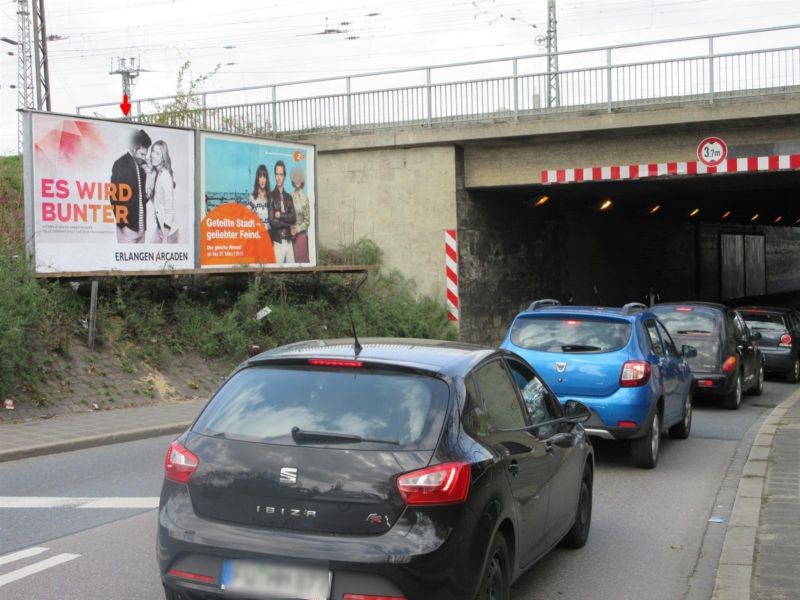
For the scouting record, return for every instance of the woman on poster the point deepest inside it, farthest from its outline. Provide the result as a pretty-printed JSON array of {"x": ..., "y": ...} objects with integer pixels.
[
  {"x": 303, "y": 215},
  {"x": 161, "y": 189},
  {"x": 259, "y": 201}
]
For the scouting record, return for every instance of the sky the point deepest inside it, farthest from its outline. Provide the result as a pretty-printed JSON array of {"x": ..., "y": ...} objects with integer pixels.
[{"x": 262, "y": 42}]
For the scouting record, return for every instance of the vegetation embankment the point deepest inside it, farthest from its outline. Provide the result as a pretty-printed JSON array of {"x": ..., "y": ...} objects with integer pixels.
[{"x": 153, "y": 320}]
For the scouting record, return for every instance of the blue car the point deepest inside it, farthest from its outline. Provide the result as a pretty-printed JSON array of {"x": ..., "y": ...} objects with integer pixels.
[{"x": 621, "y": 363}]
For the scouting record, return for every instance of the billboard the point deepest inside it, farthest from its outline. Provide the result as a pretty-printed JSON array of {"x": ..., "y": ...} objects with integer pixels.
[
  {"x": 109, "y": 197},
  {"x": 257, "y": 203}
]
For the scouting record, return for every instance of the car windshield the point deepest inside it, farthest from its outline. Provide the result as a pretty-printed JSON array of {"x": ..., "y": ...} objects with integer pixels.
[
  {"x": 265, "y": 403},
  {"x": 688, "y": 320},
  {"x": 570, "y": 334},
  {"x": 761, "y": 321}
]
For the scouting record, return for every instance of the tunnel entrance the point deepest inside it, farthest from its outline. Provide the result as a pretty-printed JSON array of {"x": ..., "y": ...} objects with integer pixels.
[{"x": 730, "y": 238}]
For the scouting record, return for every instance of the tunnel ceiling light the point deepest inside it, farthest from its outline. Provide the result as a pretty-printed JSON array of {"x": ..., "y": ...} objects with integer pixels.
[
  {"x": 542, "y": 200},
  {"x": 655, "y": 209},
  {"x": 726, "y": 214},
  {"x": 754, "y": 217},
  {"x": 695, "y": 212},
  {"x": 607, "y": 203},
  {"x": 778, "y": 219}
]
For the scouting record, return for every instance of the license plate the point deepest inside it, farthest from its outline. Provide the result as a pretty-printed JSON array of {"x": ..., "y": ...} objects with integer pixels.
[{"x": 276, "y": 580}]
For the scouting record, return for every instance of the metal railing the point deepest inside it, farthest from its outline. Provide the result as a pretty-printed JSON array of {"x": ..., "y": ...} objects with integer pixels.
[{"x": 595, "y": 79}]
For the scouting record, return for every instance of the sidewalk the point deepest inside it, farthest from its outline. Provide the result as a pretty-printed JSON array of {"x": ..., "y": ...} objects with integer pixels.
[
  {"x": 760, "y": 555},
  {"x": 85, "y": 430}
]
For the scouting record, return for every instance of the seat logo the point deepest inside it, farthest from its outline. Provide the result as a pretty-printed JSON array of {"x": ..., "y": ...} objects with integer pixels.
[
  {"x": 561, "y": 367},
  {"x": 288, "y": 476}
]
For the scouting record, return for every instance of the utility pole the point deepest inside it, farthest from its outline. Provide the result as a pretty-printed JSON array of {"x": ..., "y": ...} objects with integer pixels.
[
  {"x": 40, "y": 54},
  {"x": 127, "y": 72},
  {"x": 24, "y": 67},
  {"x": 553, "y": 92}
]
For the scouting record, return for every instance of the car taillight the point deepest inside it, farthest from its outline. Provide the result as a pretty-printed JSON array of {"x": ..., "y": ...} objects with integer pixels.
[
  {"x": 627, "y": 424},
  {"x": 447, "y": 483},
  {"x": 705, "y": 383},
  {"x": 635, "y": 373},
  {"x": 180, "y": 464},
  {"x": 786, "y": 340},
  {"x": 729, "y": 365},
  {"x": 191, "y": 576},
  {"x": 325, "y": 362},
  {"x": 348, "y": 596}
]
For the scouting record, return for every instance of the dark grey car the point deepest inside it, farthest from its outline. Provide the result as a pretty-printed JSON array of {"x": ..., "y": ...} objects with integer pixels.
[{"x": 780, "y": 338}]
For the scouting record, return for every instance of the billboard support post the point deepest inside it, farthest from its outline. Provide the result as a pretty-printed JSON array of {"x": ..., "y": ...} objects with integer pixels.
[{"x": 93, "y": 314}]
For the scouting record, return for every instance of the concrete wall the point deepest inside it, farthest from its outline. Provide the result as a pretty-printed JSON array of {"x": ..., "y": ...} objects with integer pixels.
[
  {"x": 509, "y": 257},
  {"x": 402, "y": 199},
  {"x": 523, "y": 161}
]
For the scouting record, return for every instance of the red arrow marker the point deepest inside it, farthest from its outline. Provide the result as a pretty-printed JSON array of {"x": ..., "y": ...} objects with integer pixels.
[{"x": 125, "y": 106}]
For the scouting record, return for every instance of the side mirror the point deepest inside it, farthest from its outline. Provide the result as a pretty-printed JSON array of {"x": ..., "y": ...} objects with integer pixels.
[
  {"x": 688, "y": 351},
  {"x": 576, "y": 412},
  {"x": 756, "y": 335}
]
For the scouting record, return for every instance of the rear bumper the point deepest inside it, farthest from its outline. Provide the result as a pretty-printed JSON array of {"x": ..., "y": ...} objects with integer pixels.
[
  {"x": 713, "y": 384},
  {"x": 778, "y": 359},
  {"x": 632, "y": 405},
  {"x": 411, "y": 560}
]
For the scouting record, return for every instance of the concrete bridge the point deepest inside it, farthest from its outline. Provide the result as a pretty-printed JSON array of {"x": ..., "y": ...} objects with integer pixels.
[{"x": 595, "y": 197}]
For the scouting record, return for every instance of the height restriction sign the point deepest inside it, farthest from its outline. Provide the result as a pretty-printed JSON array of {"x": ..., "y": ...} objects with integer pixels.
[{"x": 712, "y": 151}]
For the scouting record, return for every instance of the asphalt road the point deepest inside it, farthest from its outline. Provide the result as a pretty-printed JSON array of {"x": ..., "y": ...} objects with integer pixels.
[{"x": 646, "y": 533}]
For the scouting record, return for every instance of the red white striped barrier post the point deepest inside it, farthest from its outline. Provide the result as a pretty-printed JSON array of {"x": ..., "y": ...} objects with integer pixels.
[{"x": 451, "y": 272}]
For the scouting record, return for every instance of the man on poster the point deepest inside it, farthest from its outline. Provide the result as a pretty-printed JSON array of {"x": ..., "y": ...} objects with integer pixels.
[
  {"x": 128, "y": 169},
  {"x": 281, "y": 208}
]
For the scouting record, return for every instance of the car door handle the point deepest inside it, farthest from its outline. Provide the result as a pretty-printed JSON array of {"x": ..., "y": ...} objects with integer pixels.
[{"x": 513, "y": 468}]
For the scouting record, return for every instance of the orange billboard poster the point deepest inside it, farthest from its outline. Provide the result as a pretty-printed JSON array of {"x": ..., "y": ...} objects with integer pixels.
[
  {"x": 232, "y": 234},
  {"x": 257, "y": 204}
]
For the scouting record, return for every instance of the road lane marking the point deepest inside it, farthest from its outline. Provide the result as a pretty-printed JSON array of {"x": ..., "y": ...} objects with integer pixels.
[
  {"x": 134, "y": 502},
  {"x": 36, "y": 568},
  {"x": 27, "y": 553}
]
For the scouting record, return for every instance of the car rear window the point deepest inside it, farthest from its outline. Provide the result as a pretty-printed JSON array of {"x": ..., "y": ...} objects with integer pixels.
[
  {"x": 763, "y": 321},
  {"x": 570, "y": 334},
  {"x": 688, "y": 320},
  {"x": 264, "y": 403}
]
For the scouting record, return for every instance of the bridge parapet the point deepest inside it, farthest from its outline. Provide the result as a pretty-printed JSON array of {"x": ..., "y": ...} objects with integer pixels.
[{"x": 692, "y": 70}]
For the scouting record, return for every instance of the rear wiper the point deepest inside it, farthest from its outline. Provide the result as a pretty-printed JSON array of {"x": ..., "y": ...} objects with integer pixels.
[
  {"x": 578, "y": 348},
  {"x": 685, "y": 331},
  {"x": 331, "y": 437}
]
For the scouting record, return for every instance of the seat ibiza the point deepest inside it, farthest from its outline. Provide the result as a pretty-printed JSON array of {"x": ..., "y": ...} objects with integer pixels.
[{"x": 403, "y": 469}]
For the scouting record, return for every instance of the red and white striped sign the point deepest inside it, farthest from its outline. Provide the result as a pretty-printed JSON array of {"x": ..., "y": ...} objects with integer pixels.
[
  {"x": 751, "y": 164},
  {"x": 451, "y": 272}
]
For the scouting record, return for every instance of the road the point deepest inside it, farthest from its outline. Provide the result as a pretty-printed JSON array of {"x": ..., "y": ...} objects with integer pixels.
[{"x": 61, "y": 543}]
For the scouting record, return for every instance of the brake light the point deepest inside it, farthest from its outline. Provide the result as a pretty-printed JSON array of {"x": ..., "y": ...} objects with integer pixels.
[
  {"x": 190, "y": 576},
  {"x": 325, "y": 362},
  {"x": 786, "y": 340},
  {"x": 447, "y": 483},
  {"x": 371, "y": 597},
  {"x": 627, "y": 424},
  {"x": 684, "y": 309},
  {"x": 635, "y": 373},
  {"x": 729, "y": 365},
  {"x": 705, "y": 383},
  {"x": 180, "y": 464}
]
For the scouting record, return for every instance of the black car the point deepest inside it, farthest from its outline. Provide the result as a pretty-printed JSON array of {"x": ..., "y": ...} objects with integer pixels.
[
  {"x": 728, "y": 360},
  {"x": 780, "y": 338},
  {"x": 409, "y": 469}
]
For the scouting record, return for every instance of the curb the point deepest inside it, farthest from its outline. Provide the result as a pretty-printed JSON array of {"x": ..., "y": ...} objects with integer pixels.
[
  {"x": 735, "y": 569},
  {"x": 94, "y": 441}
]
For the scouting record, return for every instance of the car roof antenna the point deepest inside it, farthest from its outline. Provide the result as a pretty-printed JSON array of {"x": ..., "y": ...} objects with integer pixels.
[{"x": 356, "y": 344}]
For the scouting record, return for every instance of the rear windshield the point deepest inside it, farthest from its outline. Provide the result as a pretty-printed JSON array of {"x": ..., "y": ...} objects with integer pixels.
[
  {"x": 570, "y": 334},
  {"x": 688, "y": 320},
  {"x": 263, "y": 404},
  {"x": 764, "y": 321}
]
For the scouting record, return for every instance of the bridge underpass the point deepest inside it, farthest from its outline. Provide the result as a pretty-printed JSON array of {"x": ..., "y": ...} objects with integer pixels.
[{"x": 723, "y": 237}]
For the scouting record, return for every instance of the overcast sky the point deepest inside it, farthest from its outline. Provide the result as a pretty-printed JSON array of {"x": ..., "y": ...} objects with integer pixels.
[{"x": 270, "y": 41}]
